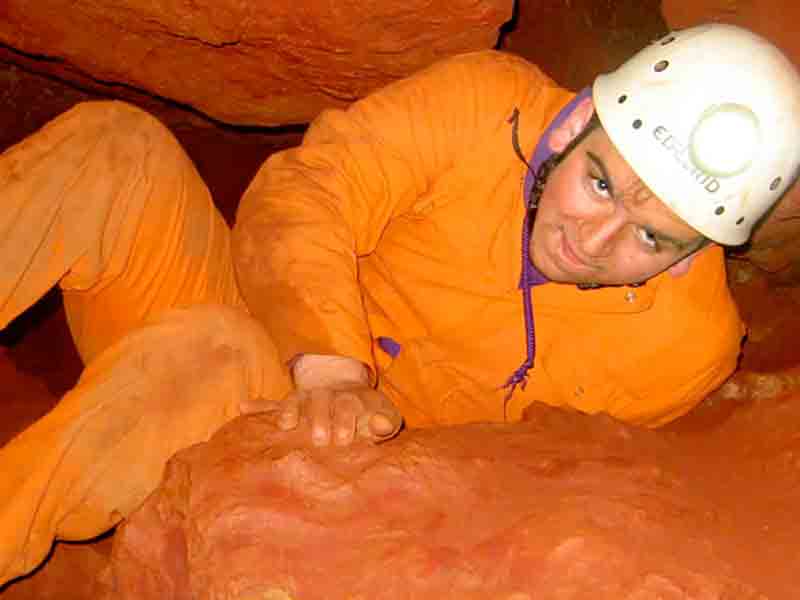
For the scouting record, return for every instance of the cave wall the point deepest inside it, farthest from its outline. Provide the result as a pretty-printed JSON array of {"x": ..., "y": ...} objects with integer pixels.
[
  {"x": 259, "y": 62},
  {"x": 575, "y": 40},
  {"x": 48, "y": 64}
]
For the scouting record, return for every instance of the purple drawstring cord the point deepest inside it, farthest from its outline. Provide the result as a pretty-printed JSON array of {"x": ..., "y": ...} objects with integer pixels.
[
  {"x": 530, "y": 276},
  {"x": 520, "y": 376}
]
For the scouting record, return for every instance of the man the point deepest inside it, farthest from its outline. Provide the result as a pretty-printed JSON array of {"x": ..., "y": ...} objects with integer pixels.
[
  {"x": 402, "y": 263},
  {"x": 407, "y": 212}
]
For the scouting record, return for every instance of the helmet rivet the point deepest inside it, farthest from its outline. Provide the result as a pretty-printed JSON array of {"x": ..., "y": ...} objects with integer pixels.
[
  {"x": 667, "y": 40},
  {"x": 661, "y": 66},
  {"x": 719, "y": 210},
  {"x": 775, "y": 183},
  {"x": 622, "y": 98},
  {"x": 637, "y": 123},
  {"x": 740, "y": 220}
]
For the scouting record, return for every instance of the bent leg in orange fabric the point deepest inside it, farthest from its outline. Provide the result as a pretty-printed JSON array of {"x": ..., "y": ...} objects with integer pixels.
[
  {"x": 94, "y": 458},
  {"x": 104, "y": 202}
]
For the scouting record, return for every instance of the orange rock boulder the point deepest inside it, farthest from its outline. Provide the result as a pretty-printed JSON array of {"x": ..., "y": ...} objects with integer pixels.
[
  {"x": 562, "y": 506},
  {"x": 249, "y": 61}
]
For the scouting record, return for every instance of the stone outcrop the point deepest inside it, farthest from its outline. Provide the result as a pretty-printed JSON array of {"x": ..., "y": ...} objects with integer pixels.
[
  {"x": 70, "y": 574},
  {"x": 561, "y": 506},
  {"x": 575, "y": 40},
  {"x": 255, "y": 63},
  {"x": 24, "y": 398},
  {"x": 711, "y": 502}
]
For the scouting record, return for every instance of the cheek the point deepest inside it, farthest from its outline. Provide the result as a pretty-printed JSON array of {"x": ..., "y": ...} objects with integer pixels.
[
  {"x": 633, "y": 265},
  {"x": 563, "y": 196}
]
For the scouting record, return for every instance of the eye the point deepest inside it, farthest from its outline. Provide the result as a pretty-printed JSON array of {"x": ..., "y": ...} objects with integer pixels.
[
  {"x": 600, "y": 186},
  {"x": 647, "y": 237}
]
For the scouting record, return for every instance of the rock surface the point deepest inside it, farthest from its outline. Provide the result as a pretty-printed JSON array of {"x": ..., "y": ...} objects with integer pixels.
[
  {"x": 71, "y": 573},
  {"x": 737, "y": 453},
  {"x": 24, "y": 398},
  {"x": 559, "y": 507},
  {"x": 256, "y": 62},
  {"x": 574, "y": 40}
]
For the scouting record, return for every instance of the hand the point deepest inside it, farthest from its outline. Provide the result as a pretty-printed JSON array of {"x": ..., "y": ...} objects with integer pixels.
[{"x": 339, "y": 412}]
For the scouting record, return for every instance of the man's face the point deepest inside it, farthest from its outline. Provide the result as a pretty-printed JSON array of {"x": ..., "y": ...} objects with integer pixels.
[{"x": 598, "y": 223}]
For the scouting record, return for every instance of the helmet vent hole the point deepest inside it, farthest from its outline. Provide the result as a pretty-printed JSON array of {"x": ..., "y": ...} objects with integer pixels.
[
  {"x": 775, "y": 183},
  {"x": 740, "y": 220},
  {"x": 668, "y": 40},
  {"x": 719, "y": 210},
  {"x": 661, "y": 66},
  {"x": 637, "y": 124},
  {"x": 622, "y": 98}
]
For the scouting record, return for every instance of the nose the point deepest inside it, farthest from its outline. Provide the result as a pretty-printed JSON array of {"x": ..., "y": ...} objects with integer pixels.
[{"x": 598, "y": 235}]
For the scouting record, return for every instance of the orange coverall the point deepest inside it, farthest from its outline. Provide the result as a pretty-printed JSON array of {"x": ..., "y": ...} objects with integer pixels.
[{"x": 399, "y": 218}]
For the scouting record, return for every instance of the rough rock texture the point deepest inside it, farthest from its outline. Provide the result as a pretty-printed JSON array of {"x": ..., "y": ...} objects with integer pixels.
[
  {"x": 30, "y": 97},
  {"x": 258, "y": 62},
  {"x": 771, "y": 312},
  {"x": 574, "y": 40},
  {"x": 24, "y": 398},
  {"x": 560, "y": 507},
  {"x": 775, "y": 19},
  {"x": 776, "y": 245},
  {"x": 737, "y": 453},
  {"x": 70, "y": 574}
]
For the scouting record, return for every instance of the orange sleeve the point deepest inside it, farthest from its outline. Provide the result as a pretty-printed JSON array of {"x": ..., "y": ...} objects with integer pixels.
[{"x": 312, "y": 211}]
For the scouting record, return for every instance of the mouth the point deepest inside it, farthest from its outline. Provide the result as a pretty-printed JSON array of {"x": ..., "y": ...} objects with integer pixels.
[{"x": 570, "y": 257}]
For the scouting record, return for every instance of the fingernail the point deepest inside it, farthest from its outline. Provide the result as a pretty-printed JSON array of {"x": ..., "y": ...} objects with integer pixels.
[{"x": 381, "y": 425}]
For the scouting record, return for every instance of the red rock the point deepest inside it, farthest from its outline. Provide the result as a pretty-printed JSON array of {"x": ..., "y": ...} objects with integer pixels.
[
  {"x": 563, "y": 506},
  {"x": 770, "y": 311},
  {"x": 575, "y": 41},
  {"x": 250, "y": 62},
  {"x": 23, "y": 400},
  {"x": 71, "y": 573}
]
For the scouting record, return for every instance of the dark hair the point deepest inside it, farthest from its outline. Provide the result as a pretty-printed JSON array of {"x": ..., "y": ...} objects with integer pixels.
[
  {"x": 547, "y": 167},
  {"x": 591, "y": 125}
]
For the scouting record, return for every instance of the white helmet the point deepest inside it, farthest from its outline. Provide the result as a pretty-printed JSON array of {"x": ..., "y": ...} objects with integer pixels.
[{"x": 709, "y": 119}]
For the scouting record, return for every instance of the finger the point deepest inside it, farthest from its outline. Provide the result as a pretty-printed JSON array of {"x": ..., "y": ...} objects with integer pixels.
[
  {"x": 256, "y": 405},
  {"x": 289, "y": 415},
  {"x": 347, "y": 408},
  {"x": 318, "y": 410},
  {"x": 380, "y": 420},
  {"x": 379, "y": 426},
  {"x": 384, "y": 426}
]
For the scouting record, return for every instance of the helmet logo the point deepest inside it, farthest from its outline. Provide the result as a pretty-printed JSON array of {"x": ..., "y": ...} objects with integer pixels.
[
  {"x": 680, "y": 154},
  {"x": 725, "y": 139}
]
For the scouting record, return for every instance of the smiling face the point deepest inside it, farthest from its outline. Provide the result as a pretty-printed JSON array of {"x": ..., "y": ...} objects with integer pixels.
[{"x": 598, "y": 223}]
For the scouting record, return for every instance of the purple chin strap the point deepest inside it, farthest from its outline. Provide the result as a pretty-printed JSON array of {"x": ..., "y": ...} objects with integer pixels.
[{"x": 530, "y": 276}]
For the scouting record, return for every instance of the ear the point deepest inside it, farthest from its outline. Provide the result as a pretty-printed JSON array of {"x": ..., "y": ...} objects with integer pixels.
[
  {"x": 681, "y": 268},
  {"x": 570, "y": 127}
]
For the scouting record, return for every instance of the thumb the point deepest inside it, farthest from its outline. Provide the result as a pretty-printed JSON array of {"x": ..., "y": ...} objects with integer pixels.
[
  {"x": 380, "y": 422},
  {"x": 384, "y": 426}
]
